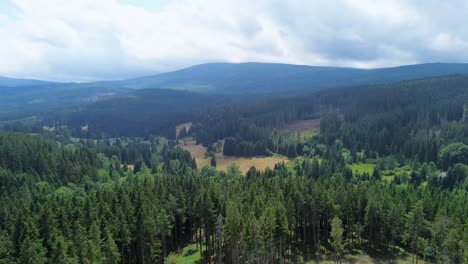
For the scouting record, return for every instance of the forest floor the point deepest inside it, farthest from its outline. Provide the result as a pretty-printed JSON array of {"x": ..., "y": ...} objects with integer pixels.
[
  {"x": 223, "y": 162},
  {"x": 367, "y": 260},
  {"x": 189, "y": 255}
]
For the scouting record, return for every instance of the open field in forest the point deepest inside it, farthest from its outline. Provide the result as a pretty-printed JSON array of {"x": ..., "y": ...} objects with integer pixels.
[
  {"x": 197, "y": 152},
  {"x": 223, "y": 162},
  {"x": 306, "y": 128},
  {"x": 305, "y": 125},
  {"x": 260, "y": 163},
  {"x": 362, "y": 167}
]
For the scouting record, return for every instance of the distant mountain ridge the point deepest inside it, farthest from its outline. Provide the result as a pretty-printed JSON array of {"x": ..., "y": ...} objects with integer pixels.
[
  {"x": 255, "y": 77},
  {"x": 27, "y": 96},
  {"x": 236, "y": 78},
  {"x": 16, "y": 82}
]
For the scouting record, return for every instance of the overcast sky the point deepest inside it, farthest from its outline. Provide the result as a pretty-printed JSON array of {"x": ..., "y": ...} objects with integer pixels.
[{"x": 83, "y": 40}]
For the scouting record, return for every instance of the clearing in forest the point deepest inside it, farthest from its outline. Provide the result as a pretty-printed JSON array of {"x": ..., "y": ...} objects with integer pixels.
[
  {"x": 306, "y": 128},
  {"x": 223, "y": 162},
  {"x": 305, "y": 125},
  {"x": 363, "y": 168},
  {"x": 197, "y": 152},
  {"x": 260, "y": 163}
]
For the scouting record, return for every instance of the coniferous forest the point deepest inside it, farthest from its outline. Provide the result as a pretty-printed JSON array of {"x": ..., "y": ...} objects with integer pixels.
[{"x": 89, "y": 196}]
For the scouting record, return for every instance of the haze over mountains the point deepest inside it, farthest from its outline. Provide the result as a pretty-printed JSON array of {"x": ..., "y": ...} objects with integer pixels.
[
  {"x": 24, "y": 95},
  {"x": 234, "y": 78}
]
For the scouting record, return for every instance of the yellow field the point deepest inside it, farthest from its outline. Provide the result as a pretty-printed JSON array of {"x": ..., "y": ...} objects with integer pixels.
[
  {"x": 260, "y": 163},
  {"x": 197, "y": 152},
  {"x": 223, "y": 162}
]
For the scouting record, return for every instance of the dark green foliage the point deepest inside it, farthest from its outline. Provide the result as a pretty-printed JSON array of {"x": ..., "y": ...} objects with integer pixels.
[
  {"x": 213, "y": 161},
  {"x": 74, "y": 202},
  {"x": 452, "y": 154},
  {"x": 261, "y": 217}
]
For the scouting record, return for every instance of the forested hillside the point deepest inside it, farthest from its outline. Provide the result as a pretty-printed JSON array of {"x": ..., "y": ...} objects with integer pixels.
[
  {"x": 261, "y": 78},
  {"x": 386, "y": 176},
  {"x": 21, "y": 98},
  {"x": 140, "y": 113}
]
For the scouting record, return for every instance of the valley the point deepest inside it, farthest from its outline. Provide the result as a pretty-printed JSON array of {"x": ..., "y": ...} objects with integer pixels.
[
  {"x": 233, "y": 132},
  {"x": 343, "y": 174}
]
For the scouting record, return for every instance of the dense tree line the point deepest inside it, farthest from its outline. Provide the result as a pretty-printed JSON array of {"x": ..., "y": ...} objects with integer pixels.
[
  {"x": 135, "y": 200},
  {"x": 412, "y": 118},
  {"x": 141, "y": 215}
]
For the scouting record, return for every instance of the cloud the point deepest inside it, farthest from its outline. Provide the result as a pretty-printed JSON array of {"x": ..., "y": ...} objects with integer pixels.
[{"x": 86, "y": 40}]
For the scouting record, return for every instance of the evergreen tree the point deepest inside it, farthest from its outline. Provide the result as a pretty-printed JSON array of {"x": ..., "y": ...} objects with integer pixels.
[
  {"x": 213, "y": 161},
  {"x": 336, "y": 236}
]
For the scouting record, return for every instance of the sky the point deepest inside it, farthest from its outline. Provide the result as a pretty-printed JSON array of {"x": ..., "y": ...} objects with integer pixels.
[{"x": 87, "y": 40}]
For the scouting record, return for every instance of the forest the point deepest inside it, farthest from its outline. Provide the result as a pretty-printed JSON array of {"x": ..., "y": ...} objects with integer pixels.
[{"x": 71, "y": 197}]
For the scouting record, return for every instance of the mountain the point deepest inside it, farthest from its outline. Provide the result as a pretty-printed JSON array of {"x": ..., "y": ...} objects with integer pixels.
[
  {"x": 254, "y": 77},
  {"x": 23, "y": 97},
  {"x": 19, "y": 101},
  {"x": 145, "y": 112},
  {"x": 232, "y": 78},
  {"x": 13, "y": 82}
]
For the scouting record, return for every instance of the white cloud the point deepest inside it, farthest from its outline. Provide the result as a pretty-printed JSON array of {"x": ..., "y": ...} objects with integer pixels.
[{"x": 107, "y": 39}]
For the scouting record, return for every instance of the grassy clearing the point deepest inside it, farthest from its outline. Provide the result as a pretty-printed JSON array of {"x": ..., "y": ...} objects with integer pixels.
[
  {"x": 223, "y": 162},
  {"x": 197, "y": 152},
  {"x": 307, "y": 129},
  {"x": 310, "y": 134},
  {"x": 365, "y": 259},
  {"x": 260, "y": 163},
  {"x": 362, "y": 167},
  {"x": 189, "y": 255},
  {"x": 305, "y": 125}
]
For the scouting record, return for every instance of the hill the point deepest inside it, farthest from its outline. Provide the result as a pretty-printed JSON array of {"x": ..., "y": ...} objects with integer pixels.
[
  {"x": 232, "y": 78},
  {"x": 139, "y": 113},
  {"x": 157, "y": 111},
  {"x": 23, "y": 97},
  {"x": 17, "y": 102},
  {"x": 14, "y": 82}
]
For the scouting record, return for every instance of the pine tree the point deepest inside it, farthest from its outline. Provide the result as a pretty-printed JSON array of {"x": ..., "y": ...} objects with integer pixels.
[
  {"x": 194, "y": 164},
  {"x": 6, "y": 249},
  {"x": 415, "y": 227},
  {"x": 60, "y": 250},
  {"x": 32, "y": 251},
  {"x": 336, "y": 236},
  {"x": 213, "y": 161},
  {"x": 111, "y": 253}
]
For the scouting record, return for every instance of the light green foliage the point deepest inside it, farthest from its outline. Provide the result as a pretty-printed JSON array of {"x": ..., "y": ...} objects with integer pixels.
[
  {"x": 362, "y": 168},
  {"x": 336, "y": 236},
  {"x": 189, "y": 255}
]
